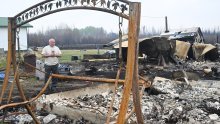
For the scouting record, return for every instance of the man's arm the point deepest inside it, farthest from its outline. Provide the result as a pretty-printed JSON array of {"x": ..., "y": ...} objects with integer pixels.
[
  {"x": 59, "y": 53},
  {"x": 43, "y": 53}
]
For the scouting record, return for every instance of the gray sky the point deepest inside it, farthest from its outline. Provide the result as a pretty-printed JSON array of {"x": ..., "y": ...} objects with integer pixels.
[{"x": 180, "y": 13}]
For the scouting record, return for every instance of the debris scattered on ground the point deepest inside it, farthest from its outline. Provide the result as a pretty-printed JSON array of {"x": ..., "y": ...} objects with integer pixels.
[
  {"x": 170, "y": 99},
  {"x": 167, "y": 101}
]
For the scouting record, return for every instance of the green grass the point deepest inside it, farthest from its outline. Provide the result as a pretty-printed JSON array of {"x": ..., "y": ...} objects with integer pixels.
[
  {"x": 67, "y": 54},
  {"x": 2, "y": 62}
]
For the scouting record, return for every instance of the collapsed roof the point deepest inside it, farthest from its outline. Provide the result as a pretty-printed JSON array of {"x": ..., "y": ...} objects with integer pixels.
[{"x": 191, "y": 35}]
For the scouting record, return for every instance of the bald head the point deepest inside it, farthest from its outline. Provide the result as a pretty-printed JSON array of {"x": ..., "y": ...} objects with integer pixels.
[{"x": 52, "y": 42}]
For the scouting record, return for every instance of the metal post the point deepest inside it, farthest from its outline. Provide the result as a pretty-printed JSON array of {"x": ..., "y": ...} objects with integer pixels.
[
  {"x": 8, "y": 66},
  {"x": 14, "y": 62},
  {"x": 166, "y": 25},
  {"x": 132, "y": 64}
]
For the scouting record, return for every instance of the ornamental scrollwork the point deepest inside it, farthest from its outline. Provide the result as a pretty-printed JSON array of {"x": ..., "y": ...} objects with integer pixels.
[{"x": 116, "y": 6}]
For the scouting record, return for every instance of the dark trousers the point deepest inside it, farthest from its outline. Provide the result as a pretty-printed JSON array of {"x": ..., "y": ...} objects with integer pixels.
[{"x": 51, "y": 69}]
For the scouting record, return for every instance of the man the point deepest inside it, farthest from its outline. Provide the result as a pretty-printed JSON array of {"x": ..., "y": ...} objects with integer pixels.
[{"x": 51, "y": 54}]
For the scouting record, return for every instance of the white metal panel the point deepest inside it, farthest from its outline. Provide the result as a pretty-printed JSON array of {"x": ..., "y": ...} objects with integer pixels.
[
  {"x": 23, "y": 39},
  {"x": 4, "y": 38}
]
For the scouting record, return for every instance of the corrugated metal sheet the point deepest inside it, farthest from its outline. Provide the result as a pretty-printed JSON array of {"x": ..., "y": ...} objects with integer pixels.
[
  {"x": 182, "y": 49},
  {"x": 125, "y": 43},
  {"x": 188, "y": 34},
  {"x": 201, "y": 49},
  {"x": 114, "y": 42}
]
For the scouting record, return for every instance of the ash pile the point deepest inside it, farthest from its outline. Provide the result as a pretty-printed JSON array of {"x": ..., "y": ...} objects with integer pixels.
[
  {"x": 43, "y": 118},
  {"x": 166, "y": 101}
]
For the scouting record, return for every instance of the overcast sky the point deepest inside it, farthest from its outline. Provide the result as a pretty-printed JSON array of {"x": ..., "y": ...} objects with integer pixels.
[{"x": 180, "y": 13}]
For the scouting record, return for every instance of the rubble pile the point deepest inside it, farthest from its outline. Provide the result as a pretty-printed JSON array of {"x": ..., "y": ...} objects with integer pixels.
[
  {"x": 47, "y": 119},
  {"x": 166, "y": 101},
  {"x": 98, "y": 103},
  {"x": 199, "y": 66}
]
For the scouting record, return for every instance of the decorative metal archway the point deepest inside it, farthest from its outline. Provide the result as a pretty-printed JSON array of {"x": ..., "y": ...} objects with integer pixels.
[
  {"x": 123, "y": 8},
  {"x": 116, "y": 7}
]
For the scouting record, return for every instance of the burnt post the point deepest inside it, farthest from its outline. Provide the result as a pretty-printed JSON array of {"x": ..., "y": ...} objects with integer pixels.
[
  {"x": 166, "y": 25},
  {"x": 131, "y": 79}
]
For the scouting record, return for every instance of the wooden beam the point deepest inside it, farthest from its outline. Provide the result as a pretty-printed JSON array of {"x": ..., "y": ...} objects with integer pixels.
[{"x": 132, "y": 65}]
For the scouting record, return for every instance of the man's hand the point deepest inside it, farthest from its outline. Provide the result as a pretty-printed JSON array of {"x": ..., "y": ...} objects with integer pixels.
[
  {"x": 52, "y": 55},
  {"x": 58, "y": 55}
]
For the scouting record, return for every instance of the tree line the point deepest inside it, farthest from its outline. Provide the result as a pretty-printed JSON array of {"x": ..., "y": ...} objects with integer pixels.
[
  {"x": 67, "y": 37},
  {"x": 96, "y": 37},
  {"x": 212, "y": 35}
]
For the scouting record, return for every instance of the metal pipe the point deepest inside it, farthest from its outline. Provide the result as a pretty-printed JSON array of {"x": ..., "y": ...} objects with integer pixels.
[
  {"x": 113, "y": 97},
  {"x": 133, "y": 109},
  {"x": 106, "y": 80},
  {"x": 31, "y": 100},
  {"x": 132, "y": 65},
  {"x": 20, "y": 89},
  {"x": 9, "y": 57},
  {"x": 12, "y": 85}
]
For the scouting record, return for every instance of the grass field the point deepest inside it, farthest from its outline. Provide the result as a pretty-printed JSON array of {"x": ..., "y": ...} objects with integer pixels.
[{"x": 67, "y": 54}]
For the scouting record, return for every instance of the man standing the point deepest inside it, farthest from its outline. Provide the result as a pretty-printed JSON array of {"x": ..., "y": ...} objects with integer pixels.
[{"x": 51, "y": 54}]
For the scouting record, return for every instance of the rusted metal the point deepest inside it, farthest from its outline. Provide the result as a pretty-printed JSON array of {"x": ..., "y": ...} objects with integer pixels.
[
  {"x": 133, "y": 109},
  {"x": 106, "y": 80},
  {"x": 12, "y": 85},
  {"x": 31, "y": 100},
  {"x": 135, "y": 86},
  {"x": 113, "y": 97},
  {"x": 118, "y": 73},
  {"x": 131, "y": 69},
  {"x": 31, "y": 66},
  {"x": 14, "y": 62},
  {"x": 8, "y": 66}
]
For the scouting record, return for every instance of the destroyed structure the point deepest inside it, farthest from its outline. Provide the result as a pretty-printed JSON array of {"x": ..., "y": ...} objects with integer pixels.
[{"x": 172, "y": 47}]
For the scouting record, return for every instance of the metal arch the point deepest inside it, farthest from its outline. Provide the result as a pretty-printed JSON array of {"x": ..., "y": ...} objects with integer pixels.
[{"x": 47, "y": 7}]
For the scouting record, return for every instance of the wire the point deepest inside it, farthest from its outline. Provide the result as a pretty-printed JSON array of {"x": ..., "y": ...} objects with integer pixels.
[{"x": 152, "y": 17}]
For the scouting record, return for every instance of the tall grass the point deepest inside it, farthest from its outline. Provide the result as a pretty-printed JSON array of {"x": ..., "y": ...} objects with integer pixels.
[{"x": 2, "y": 62}]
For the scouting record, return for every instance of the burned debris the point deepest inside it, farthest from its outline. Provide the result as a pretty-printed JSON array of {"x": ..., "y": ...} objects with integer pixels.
[{"x": 172, "y": 47}]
